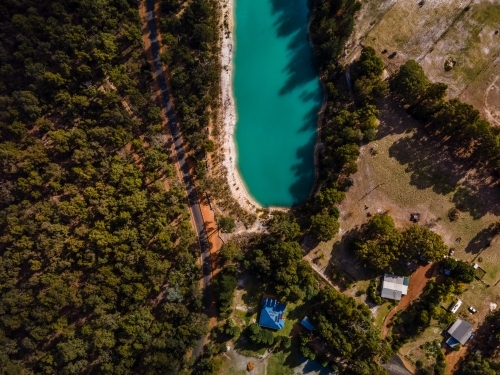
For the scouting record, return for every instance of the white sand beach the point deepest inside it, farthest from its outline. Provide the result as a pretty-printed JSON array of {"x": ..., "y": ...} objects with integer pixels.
[{"x": 228, "y": 115}]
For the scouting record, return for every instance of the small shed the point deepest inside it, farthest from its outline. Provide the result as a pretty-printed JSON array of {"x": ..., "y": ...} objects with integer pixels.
[
  {"x": 394, "y": 287},
  {"x": 307, "y": 324},
  {"x": 460, "y": 332}
]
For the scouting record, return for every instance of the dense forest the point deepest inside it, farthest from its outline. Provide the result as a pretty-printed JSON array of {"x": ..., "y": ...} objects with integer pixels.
[
  {"x": 97, "y": 272},
  {"x": 98, "y": 268},
  {"x": 190, "y": 36},
  {"x": 351, "y": 339},
  {"x": 276, "y": 259}
]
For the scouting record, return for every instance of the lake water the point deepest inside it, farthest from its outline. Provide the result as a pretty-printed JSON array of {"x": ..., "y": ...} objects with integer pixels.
[{"x": 278, "y": 96}]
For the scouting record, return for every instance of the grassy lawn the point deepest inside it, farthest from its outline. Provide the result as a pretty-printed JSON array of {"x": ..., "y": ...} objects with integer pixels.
[
  {"x": 479, "y": 296},
  {"x": 283, "y": 363},
  {"x": 231, "y": 369},
  {"x": 382, "y": 312},
  {"x": 418, "y": 348},
  {"x": 243, "y": 318},
  {"x": 295, "y": 312}
]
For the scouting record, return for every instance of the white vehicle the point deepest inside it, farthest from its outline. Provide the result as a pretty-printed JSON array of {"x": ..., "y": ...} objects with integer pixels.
[
  {"x": 456, "y": 306},
  {"x": 472, "y": 310}
]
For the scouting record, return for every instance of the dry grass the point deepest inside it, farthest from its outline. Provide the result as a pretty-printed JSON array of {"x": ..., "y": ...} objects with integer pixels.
[
  {"x": 471, "y": 42},
  {"x": 370, "y": 14},
  {"x": 411, "y": 174},
  {"x": 479, "y": 296},
  {"x": 463, "y": 30},
  {"x": 418, "y": 28},
  {"x": 412, "y": 350},
  {"x": 382, "y": 313}
]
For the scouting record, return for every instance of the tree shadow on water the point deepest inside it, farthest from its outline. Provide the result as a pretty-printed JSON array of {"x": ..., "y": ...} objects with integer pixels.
[
  {"x": 304, "y": 174},
  {"x": 293, "y": 22},
  {"x": 291, "y": 17},
  {"x": 310, "y": 120},
  {"x": 307, "y": 96}
]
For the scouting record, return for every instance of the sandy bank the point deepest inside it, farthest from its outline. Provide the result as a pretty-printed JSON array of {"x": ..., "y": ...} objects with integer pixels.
[{"x": 228, "y": 115}]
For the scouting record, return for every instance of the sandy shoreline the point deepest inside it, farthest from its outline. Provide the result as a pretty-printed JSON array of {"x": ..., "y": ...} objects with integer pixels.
[{"x": 228, "y": 115}]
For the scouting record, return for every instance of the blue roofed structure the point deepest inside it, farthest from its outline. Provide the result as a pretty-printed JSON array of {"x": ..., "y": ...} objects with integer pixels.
[
  {"x": 272, "y": 314},
  {"x": 460, "y": 332},
  {"x": 307, "y": 324}
]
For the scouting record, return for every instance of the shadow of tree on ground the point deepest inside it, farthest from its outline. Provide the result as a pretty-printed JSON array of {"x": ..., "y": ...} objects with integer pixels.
[
  {"x": 483, "y": 239},
  {"x": 429, "y": 161}
]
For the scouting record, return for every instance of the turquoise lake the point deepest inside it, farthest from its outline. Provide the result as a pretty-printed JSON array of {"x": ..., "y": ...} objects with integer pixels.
[{"x": 278, "y": 96}]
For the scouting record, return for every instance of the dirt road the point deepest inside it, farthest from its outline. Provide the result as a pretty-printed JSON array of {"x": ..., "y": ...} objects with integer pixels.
[
  {"x": 417, "y": 283},
  {"x": 149, "y": 12}
]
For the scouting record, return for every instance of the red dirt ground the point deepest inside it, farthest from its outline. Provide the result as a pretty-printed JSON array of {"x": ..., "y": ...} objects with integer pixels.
[{"x": 417, "y": 283}]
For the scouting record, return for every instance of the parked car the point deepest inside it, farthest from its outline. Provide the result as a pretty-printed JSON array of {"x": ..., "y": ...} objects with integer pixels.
[{"x": 472, "y": 310}]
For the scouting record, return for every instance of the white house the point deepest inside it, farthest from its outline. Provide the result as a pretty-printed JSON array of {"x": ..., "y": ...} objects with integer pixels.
[{"x": 394, "y": 287}]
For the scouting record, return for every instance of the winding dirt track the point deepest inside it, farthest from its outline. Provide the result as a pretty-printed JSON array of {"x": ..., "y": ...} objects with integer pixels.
[{"x": 417, "y": 283}]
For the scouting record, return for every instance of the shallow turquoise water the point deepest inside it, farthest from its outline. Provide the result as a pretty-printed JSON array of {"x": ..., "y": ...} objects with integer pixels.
[{"x": 278, "y": 96}]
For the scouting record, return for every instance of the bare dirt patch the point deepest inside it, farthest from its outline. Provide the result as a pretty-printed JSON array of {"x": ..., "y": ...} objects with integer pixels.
[
  {"x": 418, "y": 281},
  {"x": 236, "y": 364},
  {"x": 492, "y": 101}
]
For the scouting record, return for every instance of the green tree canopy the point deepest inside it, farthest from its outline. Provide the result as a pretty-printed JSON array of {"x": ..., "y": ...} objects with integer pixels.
[
  {"x": 379, "y": 244},
  {"x": 230, "y": 252},
  {"x": 227, "y": 224},
  {"x": 421, "y": 241},
  {"x": 475, "y": 364},
  {"x": 459, "y": 270},
  {"x": 411, "y": 82},
  {"x": 324, "y": 226},
  {"x": 284, "y": 225},
  {"x": 98, "y": 271},
  {"x": 349, "y": 333}
]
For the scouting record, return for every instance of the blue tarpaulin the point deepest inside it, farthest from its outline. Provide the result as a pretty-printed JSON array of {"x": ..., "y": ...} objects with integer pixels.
[{"x": 307, "y": 324}]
